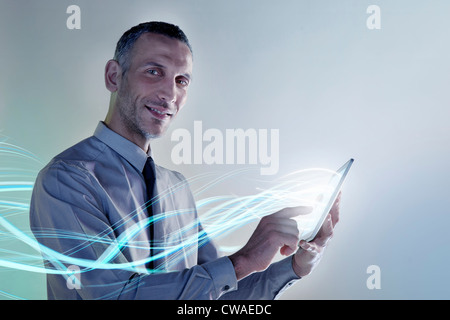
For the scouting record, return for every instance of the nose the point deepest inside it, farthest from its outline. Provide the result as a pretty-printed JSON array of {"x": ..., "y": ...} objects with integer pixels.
[{"x": 167, "y": 91}]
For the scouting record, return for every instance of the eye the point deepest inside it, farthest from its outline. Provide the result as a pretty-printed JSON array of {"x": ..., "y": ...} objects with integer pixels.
[
  {"x": 153, "y": 72},
  {"x": 183, "y": 82}
]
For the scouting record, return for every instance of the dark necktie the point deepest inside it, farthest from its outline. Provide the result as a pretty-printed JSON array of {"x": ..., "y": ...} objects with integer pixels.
[{"x": 149, "y": 177}]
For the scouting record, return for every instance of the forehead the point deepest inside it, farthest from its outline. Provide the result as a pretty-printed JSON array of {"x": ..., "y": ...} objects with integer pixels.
[{"x": 159, "y": 48}]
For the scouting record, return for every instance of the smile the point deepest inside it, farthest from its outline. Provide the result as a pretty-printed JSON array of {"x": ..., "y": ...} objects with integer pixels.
[{"x": 160, "y": 114}]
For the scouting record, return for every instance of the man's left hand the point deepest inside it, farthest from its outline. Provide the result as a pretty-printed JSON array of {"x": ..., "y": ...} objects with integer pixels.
[{"x": 309, "y": 254}]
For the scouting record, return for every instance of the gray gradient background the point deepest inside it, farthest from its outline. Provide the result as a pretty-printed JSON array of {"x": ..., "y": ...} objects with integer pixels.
[{"x": 311, "y": 69}]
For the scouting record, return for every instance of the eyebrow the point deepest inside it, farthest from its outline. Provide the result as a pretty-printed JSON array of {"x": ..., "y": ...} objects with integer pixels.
[{"x": 155, "y": 64}]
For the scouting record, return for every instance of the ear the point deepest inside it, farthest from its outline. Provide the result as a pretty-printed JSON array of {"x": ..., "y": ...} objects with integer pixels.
[{"x": 113, "y": 73}]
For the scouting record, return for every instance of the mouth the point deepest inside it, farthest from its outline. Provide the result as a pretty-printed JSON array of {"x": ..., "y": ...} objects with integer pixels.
[{"x": 160, "y": 113}]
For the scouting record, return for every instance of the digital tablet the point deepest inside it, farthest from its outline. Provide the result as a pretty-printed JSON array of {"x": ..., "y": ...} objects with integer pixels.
[{"x": 311, "y": 223}]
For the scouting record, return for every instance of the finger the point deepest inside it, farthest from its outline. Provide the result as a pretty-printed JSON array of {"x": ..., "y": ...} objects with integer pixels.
[
  {"x": 290, "y": 223},
  {"x": 290, "y": 246},
  {"x": 326, "y": 232},
  {"x": 282, "y": 226},
  {"x": 286, "y": 242},
  {"x": 276, "y": 221},
  {"x": 337, "y": 201},
  {"x": 306, "y": 246},
  {"x": 334, "y": 211},
  {"x": 291, "y": 212},
  {"x": 287, "y": 250}
]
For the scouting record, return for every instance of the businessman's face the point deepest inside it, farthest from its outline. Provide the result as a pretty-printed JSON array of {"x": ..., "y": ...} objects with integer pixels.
[{"x": 154, "y": 88}]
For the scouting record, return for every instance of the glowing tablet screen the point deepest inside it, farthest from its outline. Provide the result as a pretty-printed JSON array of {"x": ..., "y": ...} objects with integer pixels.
[{"x": 321, "y": 190}]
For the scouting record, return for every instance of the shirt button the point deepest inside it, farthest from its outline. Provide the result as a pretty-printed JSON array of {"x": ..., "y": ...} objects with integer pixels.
[{"x": 226, "y": 288}]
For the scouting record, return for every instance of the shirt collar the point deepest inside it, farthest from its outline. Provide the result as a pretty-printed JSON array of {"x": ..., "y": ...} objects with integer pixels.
[{"x": 124, "y": 147}]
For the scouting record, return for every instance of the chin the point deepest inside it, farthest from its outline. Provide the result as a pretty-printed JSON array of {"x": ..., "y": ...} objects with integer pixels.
[
  {"x": 151, "y": 135},
  {"x": 154, "y": 131},
  {"x": 155, "y": 134}
]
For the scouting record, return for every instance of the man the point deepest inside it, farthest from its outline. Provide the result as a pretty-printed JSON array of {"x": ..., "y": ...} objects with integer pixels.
[{"x": 90, "y": 209}]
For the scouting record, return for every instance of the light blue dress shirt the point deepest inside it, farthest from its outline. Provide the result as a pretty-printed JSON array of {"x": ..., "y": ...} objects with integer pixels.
[{"x": 88, "y": 212}]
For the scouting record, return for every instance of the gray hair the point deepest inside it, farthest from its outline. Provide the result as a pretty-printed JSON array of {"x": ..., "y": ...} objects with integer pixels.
[{"x": 126, "y": 42}]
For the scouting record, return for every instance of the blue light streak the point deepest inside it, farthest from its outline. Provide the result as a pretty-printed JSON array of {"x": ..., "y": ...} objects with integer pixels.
[{"x": 220, "y": 215}]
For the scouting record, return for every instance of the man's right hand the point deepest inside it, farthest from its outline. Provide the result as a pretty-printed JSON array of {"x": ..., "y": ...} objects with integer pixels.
[{"x": 274, "y": 232}]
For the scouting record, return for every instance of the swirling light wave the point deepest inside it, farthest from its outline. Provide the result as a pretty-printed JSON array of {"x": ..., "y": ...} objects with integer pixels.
[{"x": 219, "y": 216}]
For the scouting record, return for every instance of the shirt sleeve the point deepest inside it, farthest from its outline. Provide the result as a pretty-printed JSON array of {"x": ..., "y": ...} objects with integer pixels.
[
  {"x": 266, "y": 285},
  {"x": 69, "y": 221}
]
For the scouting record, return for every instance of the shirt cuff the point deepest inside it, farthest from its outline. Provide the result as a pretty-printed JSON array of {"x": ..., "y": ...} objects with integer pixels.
[
  {"x": 223, "y": 275},
  {"x": 286, "y": 271}
]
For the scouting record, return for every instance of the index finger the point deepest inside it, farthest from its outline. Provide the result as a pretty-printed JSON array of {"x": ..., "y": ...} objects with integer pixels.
[{"x": 291, "y": 212}]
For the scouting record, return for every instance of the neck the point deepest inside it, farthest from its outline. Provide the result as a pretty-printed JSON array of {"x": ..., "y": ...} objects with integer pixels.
[{"x": 117, "y": 126}]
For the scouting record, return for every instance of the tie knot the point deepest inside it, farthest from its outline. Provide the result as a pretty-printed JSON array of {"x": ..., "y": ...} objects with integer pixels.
[{"x": 149, "y": 170}]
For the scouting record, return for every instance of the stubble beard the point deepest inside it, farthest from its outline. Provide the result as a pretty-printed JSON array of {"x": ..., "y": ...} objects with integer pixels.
[{"x": 132, "y": 119}]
